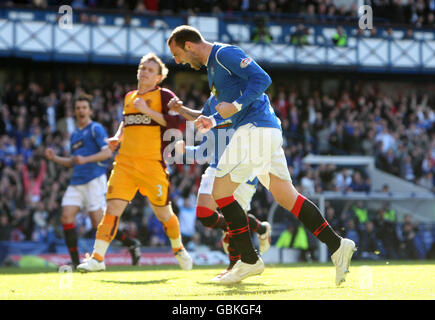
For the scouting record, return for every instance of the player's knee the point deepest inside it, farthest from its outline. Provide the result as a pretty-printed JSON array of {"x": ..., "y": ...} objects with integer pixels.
[
  {"x": 284, "y": 193},
  {"x": 115, "y": 206},
  {"x": 163, "y": 214},
  {"x": 96, "y": 217},
  {"x": 220, "y": 193},
  {"x": 67, "y": 216}
]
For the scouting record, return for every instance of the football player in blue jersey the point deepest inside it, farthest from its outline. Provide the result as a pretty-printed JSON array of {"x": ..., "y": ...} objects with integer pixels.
[
  {"x": 206, "y": 206},
  {"x": 89, "y": 159},
  {"x": 255, "y": 150}
]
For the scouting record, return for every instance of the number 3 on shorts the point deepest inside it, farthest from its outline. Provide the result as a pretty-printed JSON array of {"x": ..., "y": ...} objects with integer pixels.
[{"x": 160, "y": 190}]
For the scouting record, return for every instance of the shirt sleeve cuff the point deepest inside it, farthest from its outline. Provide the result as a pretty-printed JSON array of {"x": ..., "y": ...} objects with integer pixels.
[{"x": 237, "y": 105}]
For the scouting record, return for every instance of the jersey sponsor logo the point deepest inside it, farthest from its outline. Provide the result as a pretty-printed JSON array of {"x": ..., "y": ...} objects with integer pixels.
[
  {"x": 77, "y": 145},
  {"x": 136, "y": 119},
  {"x": 245, "y": 62}
]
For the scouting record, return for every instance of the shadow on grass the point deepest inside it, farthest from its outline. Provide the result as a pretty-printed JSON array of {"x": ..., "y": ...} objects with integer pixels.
[
  {"x": 259, "y": 289},
  {"x": 354, "y": 263},
  {"x": 386, "y": 263},
  {"x": 161, "y": 281}
]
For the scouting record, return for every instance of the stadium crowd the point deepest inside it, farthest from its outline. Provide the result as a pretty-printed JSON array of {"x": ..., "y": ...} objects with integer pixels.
[
  {"x": 398, "y": 129},
  {"x": 418, "y": 13}
]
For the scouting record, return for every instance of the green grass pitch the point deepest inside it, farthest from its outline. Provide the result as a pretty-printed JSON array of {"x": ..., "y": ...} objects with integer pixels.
[{"x": 367, "y": 280}]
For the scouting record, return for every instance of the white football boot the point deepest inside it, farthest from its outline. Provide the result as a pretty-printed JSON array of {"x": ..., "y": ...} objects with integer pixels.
[
  {"x": 265, "y": 238},
  {"x": 184, "y": 259},
  {"x": 219, "y": 276},
  {"x": 242, "y": 271},
  {"x": 91, "y": 265},
  {"x": 341, "y": 259}
]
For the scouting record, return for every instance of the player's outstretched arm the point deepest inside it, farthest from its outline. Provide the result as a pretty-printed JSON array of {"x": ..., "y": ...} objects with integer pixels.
[
  {"x": 64, "y": 161},
  {"x": 114, "y": 141},
  {"x": 175, "y": 104},
  {"x": 102, "y": 155}
]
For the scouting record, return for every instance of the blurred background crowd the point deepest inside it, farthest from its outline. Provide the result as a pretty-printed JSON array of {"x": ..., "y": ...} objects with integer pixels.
[
  {"x": 393, "y": 122},
  {"x": 397, "y": 128}
]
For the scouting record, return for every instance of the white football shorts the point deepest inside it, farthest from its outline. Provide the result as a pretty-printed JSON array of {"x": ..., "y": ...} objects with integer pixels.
[
  {"x": 90, "y": 196},
  {"x": 254, "y": 152},
  {"x": 243, "y": 193}
]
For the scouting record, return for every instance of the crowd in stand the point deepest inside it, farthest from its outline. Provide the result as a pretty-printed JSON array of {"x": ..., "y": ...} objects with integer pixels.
[
  {"x": 374, "y": 227},
  {"x": 412, "y": 12},
  {"x": 397, "y": 128}
]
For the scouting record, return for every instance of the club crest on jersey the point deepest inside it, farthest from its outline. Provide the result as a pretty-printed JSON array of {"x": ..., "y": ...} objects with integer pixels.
[
  {"x": 245, "y": 62},
  {"x": 214, "y": 91},
  {"x": 77, "y": 145}
]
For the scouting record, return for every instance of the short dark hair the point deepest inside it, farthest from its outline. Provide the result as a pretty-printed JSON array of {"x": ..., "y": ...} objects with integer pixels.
[
  {"x": 85, "y": 97},
  {"x": 184, "y": 33}
]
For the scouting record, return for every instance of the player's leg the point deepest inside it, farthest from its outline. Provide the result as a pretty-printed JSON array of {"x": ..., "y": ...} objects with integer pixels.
[
  {"x": 97, "y": 202},
  {"x": 244, "y": 194},
  {"x": 236, "y": 166},
  {"x": 133, "y": 245},
  {"x": 70, "y": 233},
  {"x": 207, "y": 214},
  {"x": 237, "y": 221},
  {"x": 205, "y": 204},
  {"x": 72, "y": 202},
  {"x": 307, "y": 212},
  {"x": 106, "y": 232},
  {"x": 171, "y": 226},
  {"x": 282, "y": 189},
  {"x": 154, "y": 184},
  {"x": 120, "y": 190}
]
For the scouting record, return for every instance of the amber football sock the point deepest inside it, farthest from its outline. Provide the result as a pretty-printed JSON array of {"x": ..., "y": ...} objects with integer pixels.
[{"x": 106, "y": 232}]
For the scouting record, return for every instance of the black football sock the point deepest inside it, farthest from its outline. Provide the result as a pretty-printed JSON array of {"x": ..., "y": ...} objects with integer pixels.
[
  {"x": 210, "y": 218},
  {"x": 310, "y": 216},
  {"x": 255, "y": 224},
  {"x": 238, "y": 228},
  {"x": 71, "y": 240},
  {"x": 125, "y": 240},
  {"x": 233, "y": 254}
]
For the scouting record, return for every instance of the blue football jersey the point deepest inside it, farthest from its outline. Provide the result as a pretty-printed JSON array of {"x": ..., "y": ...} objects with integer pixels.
[
  {"x": 84, "y": 142},
  {"x": 221, "y": 135},
  {"x": 235, "y": 77}
]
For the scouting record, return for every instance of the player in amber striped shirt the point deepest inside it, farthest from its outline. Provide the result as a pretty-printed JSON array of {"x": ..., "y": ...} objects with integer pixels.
[{"x": 140, "y": 166}]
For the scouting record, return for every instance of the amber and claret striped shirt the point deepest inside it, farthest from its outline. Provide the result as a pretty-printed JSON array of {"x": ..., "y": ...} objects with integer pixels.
[{"x": 142, "y": 136}]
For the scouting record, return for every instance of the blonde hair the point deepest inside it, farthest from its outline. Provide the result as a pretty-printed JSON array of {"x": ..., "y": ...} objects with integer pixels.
[{"x": 163, "y": 70}]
